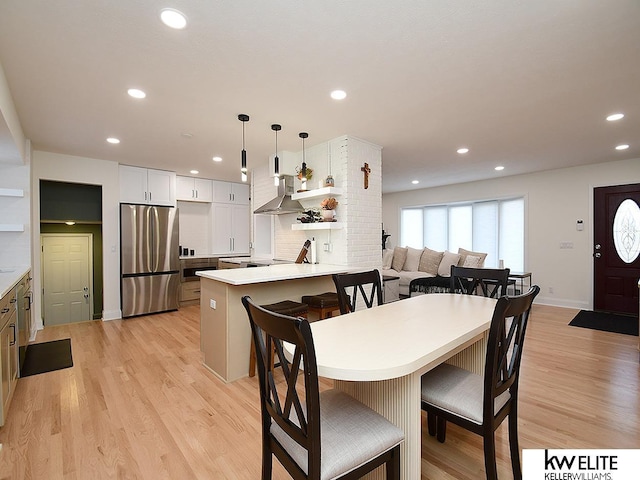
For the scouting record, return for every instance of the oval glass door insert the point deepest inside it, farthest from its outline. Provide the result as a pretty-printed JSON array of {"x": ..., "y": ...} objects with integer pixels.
[{"x": 626, "y": 231}]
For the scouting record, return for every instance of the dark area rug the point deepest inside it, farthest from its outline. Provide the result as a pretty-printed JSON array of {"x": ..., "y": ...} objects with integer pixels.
[
  {"x": 607, "y": 322},
  {"x": 47, "y": 357}
]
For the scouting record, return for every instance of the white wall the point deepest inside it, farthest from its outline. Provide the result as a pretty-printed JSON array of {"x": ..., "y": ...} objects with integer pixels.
[
  {"x": 15, "y": 247},
  {"x": 194, "y": 222},
  {"x": 554, "y": 200},
  {"x": 67, "y": 168}
]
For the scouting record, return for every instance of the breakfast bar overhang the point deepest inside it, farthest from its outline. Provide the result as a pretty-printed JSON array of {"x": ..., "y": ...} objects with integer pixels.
[{"x": 225, "y": 334}]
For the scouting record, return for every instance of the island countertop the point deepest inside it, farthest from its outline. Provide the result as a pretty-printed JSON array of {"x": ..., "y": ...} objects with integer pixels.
[{"x": 272, "y": 273}]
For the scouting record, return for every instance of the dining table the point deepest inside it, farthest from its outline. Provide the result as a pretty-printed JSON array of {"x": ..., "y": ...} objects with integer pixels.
[{"x": 378, "y": 355}]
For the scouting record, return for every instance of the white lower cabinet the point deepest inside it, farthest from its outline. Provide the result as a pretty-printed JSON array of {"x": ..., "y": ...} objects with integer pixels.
[
  {"x": 8, "y": 352},
  {"x": 231, "y": 229}
]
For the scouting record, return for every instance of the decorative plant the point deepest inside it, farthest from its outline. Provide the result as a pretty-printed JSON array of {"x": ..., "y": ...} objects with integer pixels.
[
  {"x": 329, "y": 203},
  {"x": 309, "y": 173}
]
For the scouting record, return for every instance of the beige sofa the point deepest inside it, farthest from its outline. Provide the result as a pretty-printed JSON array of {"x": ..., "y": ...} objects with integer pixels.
[{"x": 411, "y": 263}]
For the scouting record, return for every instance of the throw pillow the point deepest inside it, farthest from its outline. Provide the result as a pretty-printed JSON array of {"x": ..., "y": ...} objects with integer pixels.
[
  {"x": 463, "y": 256},
  {"x": 448, "y": 259},
  {"x": 413, "y": 259},
  {"x": 429, "y": 261},
  {"x": 399, "y": 256},
  {"x": 472, "y": 261},
  {"x": 387, "y": 257}
]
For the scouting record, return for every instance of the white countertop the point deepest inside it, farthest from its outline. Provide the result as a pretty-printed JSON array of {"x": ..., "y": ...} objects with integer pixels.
[
  {"x": 10, "y": 276},
  {"x": 272, "y": 273}
]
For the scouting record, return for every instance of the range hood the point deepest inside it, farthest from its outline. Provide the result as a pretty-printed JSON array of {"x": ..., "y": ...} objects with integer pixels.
[{"x": 283, "y": 202}]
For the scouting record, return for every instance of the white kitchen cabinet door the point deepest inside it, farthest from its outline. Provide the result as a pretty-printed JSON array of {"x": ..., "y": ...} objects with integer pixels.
[
  {"x": 147, "y": 186},
  {"x": 162, "y": 187},
  {"x": 133, "y": 184},
  {"x": 231, "y": 229},
  {"x": 229, "y": 192},
  {"x": 192, "y": 189}
]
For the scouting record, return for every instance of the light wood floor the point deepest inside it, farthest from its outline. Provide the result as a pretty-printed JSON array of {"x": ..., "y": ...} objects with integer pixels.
[{"x": 138, "y": 404}]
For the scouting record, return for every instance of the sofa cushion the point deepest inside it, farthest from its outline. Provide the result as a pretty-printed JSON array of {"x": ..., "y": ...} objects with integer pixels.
[
  {"x": 472, "y": 261},
  {"x": 448, "y": 259},
  {"x": 413, "y": 259},
  {"x": 429, "y": 261},
  {"x": 464, "y": 253},
  {"x": 406, "y": 277},
  {"x": 399, "y": 257},
  {"x": 387, "y": 258}
]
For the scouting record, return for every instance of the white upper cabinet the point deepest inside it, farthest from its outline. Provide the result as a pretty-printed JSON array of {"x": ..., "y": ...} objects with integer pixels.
[
  {"x": 229, "y": 192},
  {"x": 147, "y": 186},
  {"x": 191, "y": 189}
]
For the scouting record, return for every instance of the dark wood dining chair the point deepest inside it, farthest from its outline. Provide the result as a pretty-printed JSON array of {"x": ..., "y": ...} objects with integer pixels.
[
  {"x": 314, "y": 435},
  {"x": 480, "y": 403},
  {"x": 490, "y": 282},
  {"x": 351, "y": 287}
]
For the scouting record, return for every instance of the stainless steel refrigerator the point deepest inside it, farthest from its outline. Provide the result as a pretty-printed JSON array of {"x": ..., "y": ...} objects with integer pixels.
[{"x": 149, "y": 259}]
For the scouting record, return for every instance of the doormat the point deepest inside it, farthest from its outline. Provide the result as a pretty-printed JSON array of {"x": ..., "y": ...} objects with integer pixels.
[
  {"x": 606, "y": 322},
  {"x": 47, "y": 357}
]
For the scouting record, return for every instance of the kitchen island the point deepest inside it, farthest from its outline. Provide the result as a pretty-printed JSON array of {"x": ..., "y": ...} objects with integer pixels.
[{"x": 225, "y": 334}]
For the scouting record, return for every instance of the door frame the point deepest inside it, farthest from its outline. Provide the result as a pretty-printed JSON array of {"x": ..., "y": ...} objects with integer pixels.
[{"x": 89, "y": 237}]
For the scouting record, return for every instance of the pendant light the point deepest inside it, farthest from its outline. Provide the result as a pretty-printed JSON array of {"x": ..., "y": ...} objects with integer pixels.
[
  {"x": 243, "y": 168},
  {"x": 303, "y": 170},
  {"x": 276, "y": 161}
]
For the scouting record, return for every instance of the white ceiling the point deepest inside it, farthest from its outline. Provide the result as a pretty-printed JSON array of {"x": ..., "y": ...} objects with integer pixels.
[{"x": 522, "y": 83}]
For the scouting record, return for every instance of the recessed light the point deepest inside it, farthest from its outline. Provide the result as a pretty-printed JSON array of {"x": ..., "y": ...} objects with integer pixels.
[
  {"x": 194, "y": 172},
  {"x": 338, "y": 94},
  {"x": 70, "y": 223},
  {"x": 113, "y": 140},
  {"x": 622, "y": 147},
  {"x": 499, "y": 168},
  {"x": 615, "y": 116},
  {"x": 136, "y": 93},
  {"x": 187, "y": 135},
  {"x": 217, "y": 159},
  {"x": 415, "y": 182},
  {"x": 173, "y": 18},
  {"x": 462, "y": 150}
]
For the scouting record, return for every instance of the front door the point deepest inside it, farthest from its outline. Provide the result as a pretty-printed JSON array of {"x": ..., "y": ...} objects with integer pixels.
[
  {"x": 66, "y": 275},
  {"x": 616, "y": 253}
]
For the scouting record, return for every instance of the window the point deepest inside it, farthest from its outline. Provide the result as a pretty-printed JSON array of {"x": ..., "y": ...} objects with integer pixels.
[{"x": 495, "y": 227}]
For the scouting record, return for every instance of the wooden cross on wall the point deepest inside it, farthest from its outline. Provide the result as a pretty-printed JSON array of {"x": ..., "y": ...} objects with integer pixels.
[{"x": 366, "y": 170}]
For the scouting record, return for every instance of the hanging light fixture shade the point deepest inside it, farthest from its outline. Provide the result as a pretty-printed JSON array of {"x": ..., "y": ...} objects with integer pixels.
[
  {"x": 276, "y": 161},
  {"x": 243, "y": 168},
  {"x": 303, "y": 170}
]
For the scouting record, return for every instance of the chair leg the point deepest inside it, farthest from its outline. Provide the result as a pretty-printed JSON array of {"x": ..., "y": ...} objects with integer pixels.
[
  {"x": 490, "y": 456},
  {"x": 513, "y": 445},
  {"x": 431, "y": 424},
  {"x": 267, "y": 464},
  {"x": 441, "y": 429},
  {"x": 393, "y": 465}
]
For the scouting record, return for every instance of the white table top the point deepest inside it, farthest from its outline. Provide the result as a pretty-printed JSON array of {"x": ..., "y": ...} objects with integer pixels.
[
  {"x": 399, "y": 338},
  {"x": 271, "y": 273}
]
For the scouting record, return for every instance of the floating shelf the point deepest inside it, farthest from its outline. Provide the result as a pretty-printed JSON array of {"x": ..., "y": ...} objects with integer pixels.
[
  {"x": 318, "y": 192},
  {"x": 318, "y": 226},
  {"x": 11, "y": 192},
  {"x": 8, "y": 227}
]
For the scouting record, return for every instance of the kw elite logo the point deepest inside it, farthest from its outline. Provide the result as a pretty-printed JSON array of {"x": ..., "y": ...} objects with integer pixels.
[{"x": 580, "y": 464}]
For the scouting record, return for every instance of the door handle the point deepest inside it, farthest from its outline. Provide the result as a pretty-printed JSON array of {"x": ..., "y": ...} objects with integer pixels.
[{"x": 597, "y": 255}]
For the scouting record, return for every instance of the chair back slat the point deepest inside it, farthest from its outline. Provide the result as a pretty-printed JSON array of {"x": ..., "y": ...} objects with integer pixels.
[
  {"x": 491, "y": 282},
  {"x": 350, "y": 287},
  {"x": 280, "y": 399},
  {"x": 504, "y": 347}
]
